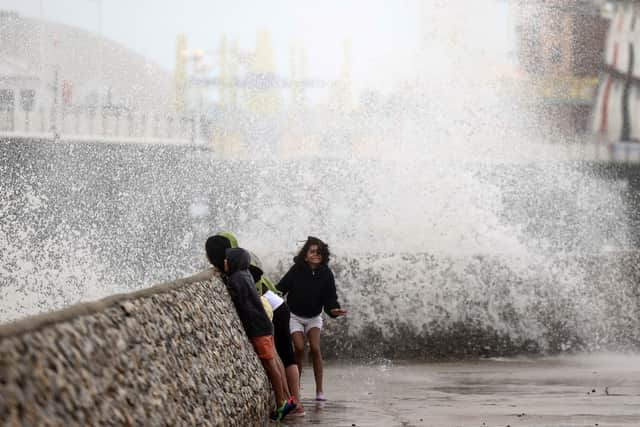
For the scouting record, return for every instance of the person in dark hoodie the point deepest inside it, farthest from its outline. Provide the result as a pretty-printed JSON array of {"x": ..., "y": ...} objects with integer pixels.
[
  {"x": 309, "y": 287},
  {"x": 256, "y": 323},
  {"x": 281, "y": 333},
  {"x": 216, "y": 246}
]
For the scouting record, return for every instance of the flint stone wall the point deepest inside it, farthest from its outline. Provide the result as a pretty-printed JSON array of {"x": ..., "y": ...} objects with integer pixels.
[{"x": 173, "y": 354}]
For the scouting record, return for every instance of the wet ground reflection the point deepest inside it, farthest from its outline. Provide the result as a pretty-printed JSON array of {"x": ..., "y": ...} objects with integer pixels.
[{"x": 579, "y": 390}]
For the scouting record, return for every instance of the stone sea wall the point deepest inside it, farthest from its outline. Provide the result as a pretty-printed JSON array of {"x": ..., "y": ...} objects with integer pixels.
[{"x": 173, "y": 354}]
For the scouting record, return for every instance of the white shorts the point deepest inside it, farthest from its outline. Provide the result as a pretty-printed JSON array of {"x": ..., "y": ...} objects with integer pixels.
[{"x": 303, "y": 324}]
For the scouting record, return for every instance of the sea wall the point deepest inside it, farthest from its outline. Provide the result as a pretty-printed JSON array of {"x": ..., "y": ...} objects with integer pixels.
[{"x": 173, "y": 354}]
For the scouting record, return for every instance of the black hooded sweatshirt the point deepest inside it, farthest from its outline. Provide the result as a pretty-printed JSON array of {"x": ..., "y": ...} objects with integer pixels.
[
  {"x": 244, "y": 295},
  {"x": 308, "y": 291}
]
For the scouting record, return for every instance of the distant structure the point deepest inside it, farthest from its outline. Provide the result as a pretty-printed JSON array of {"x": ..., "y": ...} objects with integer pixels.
[
  {"x": 263, "y": 97},
  {"x": 341, "y": 89},
  {"x": 561, "y": 44},
  {"x": 248, "y": 80},
  {"x": 181, "y": 73},
  {"x": 616, "y": 119},
  {"x": 54, "y": 77},
  {"x": 298, "y": 72},
  {"x": 250, "y": 107}
]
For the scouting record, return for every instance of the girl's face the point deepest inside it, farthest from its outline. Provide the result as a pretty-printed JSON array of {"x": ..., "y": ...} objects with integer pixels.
[{"x": 313, "y": 257}]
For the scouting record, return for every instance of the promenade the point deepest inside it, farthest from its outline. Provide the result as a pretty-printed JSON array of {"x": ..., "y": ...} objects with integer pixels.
[{"x": 584, "y": 390}]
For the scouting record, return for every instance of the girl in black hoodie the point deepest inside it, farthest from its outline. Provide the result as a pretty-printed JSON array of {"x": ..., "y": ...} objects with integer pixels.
[{"x": 309, "y": 288}]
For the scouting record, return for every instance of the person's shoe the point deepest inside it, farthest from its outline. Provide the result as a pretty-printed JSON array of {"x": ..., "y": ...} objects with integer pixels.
[
  {"x": 320, "y": 397},
  {"x": 298, "y": 412},
  {"x": 283, "y": 411},
  {"x": 288, "y": 406}
]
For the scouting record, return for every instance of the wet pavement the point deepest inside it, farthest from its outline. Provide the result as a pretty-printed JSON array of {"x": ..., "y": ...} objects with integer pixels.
[{"x": 600, "y": 390}]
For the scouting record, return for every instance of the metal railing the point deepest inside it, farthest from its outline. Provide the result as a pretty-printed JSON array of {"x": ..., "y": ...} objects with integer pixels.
[{"x": 109, "y": 122}]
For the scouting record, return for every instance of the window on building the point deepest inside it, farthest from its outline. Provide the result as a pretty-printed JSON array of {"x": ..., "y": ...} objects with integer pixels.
[
  {"x": 6, "y": 100},
  {"x": 27, "y": 98}
]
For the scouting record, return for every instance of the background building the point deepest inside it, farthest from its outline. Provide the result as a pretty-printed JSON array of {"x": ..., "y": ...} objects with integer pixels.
[
  {"x": 560, "y": 49},
  {"x": 50, "y": 72}
]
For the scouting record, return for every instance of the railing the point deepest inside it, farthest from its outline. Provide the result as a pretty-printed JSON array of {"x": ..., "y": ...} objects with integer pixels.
[{"x": 108, "y": 122}]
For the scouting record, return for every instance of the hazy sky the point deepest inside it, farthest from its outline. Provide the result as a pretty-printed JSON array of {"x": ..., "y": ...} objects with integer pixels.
[{"x": 384, "y": 33}]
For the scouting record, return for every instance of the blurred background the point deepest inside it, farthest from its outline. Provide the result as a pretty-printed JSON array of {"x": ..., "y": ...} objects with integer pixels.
[{"x": 173, "y": 71}]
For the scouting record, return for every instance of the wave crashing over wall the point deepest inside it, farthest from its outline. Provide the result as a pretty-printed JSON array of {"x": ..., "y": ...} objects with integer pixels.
[
  {"x": 433, "y": 258},
  {"x": 423, "y": 306}
]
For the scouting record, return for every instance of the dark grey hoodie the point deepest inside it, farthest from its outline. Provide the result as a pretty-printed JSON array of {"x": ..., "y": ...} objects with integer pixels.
[{"x": 243, "y": 292}]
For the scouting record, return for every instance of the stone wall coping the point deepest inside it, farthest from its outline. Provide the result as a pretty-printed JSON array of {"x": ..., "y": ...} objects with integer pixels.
[{"x": 38, "y": 321}]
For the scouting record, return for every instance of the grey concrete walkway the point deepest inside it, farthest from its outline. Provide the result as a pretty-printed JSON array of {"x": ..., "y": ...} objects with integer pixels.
[{"x": 585, "y": 390}]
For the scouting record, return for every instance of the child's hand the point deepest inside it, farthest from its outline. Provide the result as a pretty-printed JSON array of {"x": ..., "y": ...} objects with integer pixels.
[{"x": 338, "y": 312}]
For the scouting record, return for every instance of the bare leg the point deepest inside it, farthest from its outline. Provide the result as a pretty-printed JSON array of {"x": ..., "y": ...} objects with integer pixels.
[
  {"x": 271, "y": 367},
  {"x": 293, "y": 378},
  {"x": 298, "y": 347},
  {"x": 283, "y": 375},
  {"x": 316, "y": 356}
]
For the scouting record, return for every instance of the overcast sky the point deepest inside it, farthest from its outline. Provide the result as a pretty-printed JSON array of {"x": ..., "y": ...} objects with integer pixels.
[{"x": 384, "y": 34}]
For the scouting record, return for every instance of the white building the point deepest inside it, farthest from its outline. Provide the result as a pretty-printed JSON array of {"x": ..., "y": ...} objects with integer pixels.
[{"x": 50, "y": 70}]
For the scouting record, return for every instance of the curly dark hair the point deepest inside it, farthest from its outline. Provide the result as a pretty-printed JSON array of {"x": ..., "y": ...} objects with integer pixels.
[{"x": 323, "y": 249}]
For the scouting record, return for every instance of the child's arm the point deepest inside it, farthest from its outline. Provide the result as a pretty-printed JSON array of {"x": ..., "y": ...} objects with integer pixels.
[
  {"x": 284, "y": 285},
  {"x": 331, "y": 304}
]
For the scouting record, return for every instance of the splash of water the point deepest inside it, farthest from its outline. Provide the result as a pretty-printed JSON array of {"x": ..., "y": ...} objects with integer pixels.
[{"x": 41, "y": 269}]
